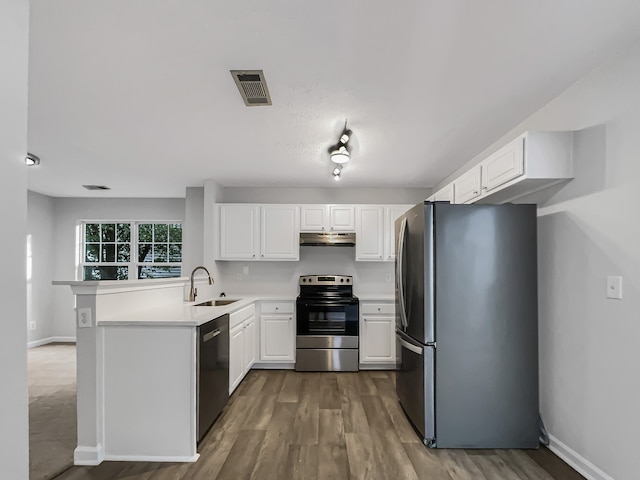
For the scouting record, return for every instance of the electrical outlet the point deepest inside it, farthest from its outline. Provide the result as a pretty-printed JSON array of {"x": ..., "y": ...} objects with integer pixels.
[
  {"x": 239, "y": 276},
  {"x": 614, "y": 287},
  {"x": 387, "y": 277},
  {"x": 84, "y": 318},
  {"x": 245, "y": 270},
  {"x": 32, "y": 325}
]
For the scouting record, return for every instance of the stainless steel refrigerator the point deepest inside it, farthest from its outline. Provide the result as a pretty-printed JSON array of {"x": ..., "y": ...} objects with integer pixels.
[{"x": 467, "y": 324}]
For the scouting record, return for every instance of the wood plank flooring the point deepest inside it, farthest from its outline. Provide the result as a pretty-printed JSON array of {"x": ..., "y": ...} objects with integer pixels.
[{"x": 291, "y": 425}]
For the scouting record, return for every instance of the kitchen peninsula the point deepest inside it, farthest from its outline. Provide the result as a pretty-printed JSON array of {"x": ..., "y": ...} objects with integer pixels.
[{"x": 137, "y": 377}]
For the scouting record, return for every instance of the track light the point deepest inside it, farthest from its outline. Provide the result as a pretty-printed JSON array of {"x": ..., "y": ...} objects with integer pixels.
[
  {"x": 340, "y": 153},
  {"x": 31, "y": 160}
]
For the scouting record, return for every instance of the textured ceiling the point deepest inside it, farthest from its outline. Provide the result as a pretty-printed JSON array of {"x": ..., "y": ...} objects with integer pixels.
[{"x": 138, "y": 95}]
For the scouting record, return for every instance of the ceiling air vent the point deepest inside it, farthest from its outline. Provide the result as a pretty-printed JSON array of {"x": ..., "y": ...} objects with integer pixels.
[
  {"x": 96, "y": 187},
  {"x": 252, "y": 86}
]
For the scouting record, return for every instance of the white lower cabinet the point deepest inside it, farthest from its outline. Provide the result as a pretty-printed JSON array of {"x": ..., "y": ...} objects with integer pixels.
[
  {"x": 277, "y": 332},
  {"x": 377, "y": 333},
  {"x": 242, "y": 345}
]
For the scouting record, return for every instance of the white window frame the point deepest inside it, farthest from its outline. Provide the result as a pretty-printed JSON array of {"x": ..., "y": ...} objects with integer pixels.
[{"x": 133, "y": 263}]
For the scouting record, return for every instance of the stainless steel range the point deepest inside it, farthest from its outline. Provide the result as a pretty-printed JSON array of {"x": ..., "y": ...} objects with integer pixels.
[{"x": 327, "y": 324}]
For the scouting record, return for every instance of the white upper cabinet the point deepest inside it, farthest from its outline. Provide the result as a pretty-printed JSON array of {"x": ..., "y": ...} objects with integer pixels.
[
  {"x": 327, "y": 218},
  {"x": 467, "y": 187},
  {"x": 342, "y": 218},
  {"x": 370, "y": 232},
  {"x": 528, "y": 164},
  {"x": 445, "y": 194},
  {"x": 504, "y": 165},
  {"x": 314, "y": 218},
  {"x": 391, "y": 213},
  {"x": 253, "y": 232},
  {"x": 239, "y": 225},
  {"x": 279, "y": 233},
  {"x": 375, "y": 231}
]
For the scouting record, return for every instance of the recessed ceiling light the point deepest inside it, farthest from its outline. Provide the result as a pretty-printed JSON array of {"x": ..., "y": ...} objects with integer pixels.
[{"x": 31, "y": 160}]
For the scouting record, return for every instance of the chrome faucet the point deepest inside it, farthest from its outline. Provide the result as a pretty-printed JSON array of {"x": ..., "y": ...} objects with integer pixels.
[{"x": 193, "y": 292}]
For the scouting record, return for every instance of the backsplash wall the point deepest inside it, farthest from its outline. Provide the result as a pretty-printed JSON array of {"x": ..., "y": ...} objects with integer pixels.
[{"x": 282, "y": 277}]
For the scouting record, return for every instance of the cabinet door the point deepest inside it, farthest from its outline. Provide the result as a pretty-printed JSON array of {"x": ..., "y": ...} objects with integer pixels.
[
  {"x": 314, "y": 218},
  {"x": 342, "y": 218},
  {"x": 378, "y": 339},
  {"x": 504, "y": 165},
  {"x": 467, "y": 187},
  {"x": 277, "y": 338},
  {"x": 239, "y": 226},
  {"x": 445, "y": 194},
  {"x": 392, "y": 212},
  {"x": 249, "y": 335},
  {"x": 369, "y": 232},
  {"x": 279, "y": 238},
  {"x": 236, "y": 357}
]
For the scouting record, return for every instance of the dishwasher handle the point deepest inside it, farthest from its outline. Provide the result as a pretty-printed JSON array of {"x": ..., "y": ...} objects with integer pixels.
[{"x": 208, "y": 336}]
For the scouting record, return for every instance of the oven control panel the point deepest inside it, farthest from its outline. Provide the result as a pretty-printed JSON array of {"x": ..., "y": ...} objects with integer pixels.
[{"x": 326, "y": 280}]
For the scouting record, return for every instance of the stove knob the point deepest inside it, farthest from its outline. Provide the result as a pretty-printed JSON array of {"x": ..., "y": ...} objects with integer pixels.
[{"x": 341, "y": 280}]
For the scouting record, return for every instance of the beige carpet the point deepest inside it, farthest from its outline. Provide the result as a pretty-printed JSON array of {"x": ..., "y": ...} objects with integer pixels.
[{"x": 52, "y": 409}]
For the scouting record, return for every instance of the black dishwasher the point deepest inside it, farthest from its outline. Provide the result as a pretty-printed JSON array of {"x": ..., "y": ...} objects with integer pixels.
[{"x": 213, "y": 372}]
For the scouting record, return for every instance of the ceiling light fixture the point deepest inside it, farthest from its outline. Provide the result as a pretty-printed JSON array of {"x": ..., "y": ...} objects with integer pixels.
[
  {"x": 340, "y": 153},
  {"x": 336, "y": 172},
  {"x": 31, "y": 160}
]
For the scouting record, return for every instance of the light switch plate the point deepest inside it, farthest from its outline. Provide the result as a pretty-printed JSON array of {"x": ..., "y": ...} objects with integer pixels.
[
  {"x": 614, "y": 287},
  {"x": 84, "y": 318}
]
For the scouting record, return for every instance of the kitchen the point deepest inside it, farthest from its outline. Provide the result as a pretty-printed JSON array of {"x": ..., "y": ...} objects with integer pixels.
[{"x": 585, "y": 236}]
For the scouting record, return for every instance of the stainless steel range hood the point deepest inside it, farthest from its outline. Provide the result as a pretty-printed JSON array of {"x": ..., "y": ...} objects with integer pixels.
[{"x": 322, "y": 239}]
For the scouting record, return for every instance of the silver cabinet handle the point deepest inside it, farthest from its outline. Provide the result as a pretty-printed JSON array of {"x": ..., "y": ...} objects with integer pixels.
[
  {"x": 210, "y": 335},
  {"x": 277, "y": 308},
  {"x": 484, "y": 188},
  {"x": 410, "y": 347}
]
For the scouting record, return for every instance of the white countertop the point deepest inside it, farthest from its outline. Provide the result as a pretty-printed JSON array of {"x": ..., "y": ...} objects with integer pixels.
[{"x": 184, "y": 315}]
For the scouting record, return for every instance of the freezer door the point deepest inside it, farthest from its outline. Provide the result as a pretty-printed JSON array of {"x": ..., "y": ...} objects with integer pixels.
[{"x": 415, "y": 385}]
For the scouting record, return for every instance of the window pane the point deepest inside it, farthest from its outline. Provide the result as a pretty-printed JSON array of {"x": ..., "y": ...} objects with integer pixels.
[
  {"x": 159, "y": 252},
  {"x": 158, "y": 272},
  {"x": 160, "y": 232},
  {"x": 124, "y": 252},
  {"x": 145, "y": 252},
  {"x": 108, "y": 232},
  {"x": 124, "y": 232},
  {"x": 109, "y": 252},
  {"x": 105, "y": 273},
  {"x": 92, "y": 253},
  {"x": 92, "y": 232},
  {"x": 175, "y": 232},
  {"x": 144, "y": 232},
  {"x": 175, "y": 253}
]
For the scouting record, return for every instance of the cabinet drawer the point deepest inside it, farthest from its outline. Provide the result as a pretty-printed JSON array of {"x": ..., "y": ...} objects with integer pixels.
[
  {"x": 240, "y": 316},
  {"x": 276, "y": 307},
  {"x": 378, "y": 309}
]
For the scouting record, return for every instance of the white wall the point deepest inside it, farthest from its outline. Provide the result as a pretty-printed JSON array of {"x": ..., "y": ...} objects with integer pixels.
[
  {"x": 14, "y": 54},
  {"x": 282, "y": 277},
  {"x": 323, "y": 195},
  {"x": 67, "y": 212},
  {"x": 40, "y": 265},
  {"x": 589, "y": 355},
  {"x": 193, "y": 230}
]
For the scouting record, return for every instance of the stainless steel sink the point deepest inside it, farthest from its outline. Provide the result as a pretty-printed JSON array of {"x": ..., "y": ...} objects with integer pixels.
[{"x": 215, "y": 303}]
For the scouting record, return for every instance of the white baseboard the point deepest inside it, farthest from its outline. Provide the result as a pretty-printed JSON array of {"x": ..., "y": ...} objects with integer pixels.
[
  {"x": 274, "y": 366},
  {"x": 580, "y": 464},
  {"x": 152, "y": 458},
  {"x": 45, "y": 341},
  {"x": 89, "y": 456}
]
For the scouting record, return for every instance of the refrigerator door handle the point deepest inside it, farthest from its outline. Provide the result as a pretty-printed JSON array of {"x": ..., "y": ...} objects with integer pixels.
[
  {"x": 400, "y": 273},
  {"x": 409, "y": 346}
]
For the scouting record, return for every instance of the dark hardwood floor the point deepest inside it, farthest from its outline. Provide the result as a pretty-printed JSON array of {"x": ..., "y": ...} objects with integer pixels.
[{"x": 289, "y": 425}]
